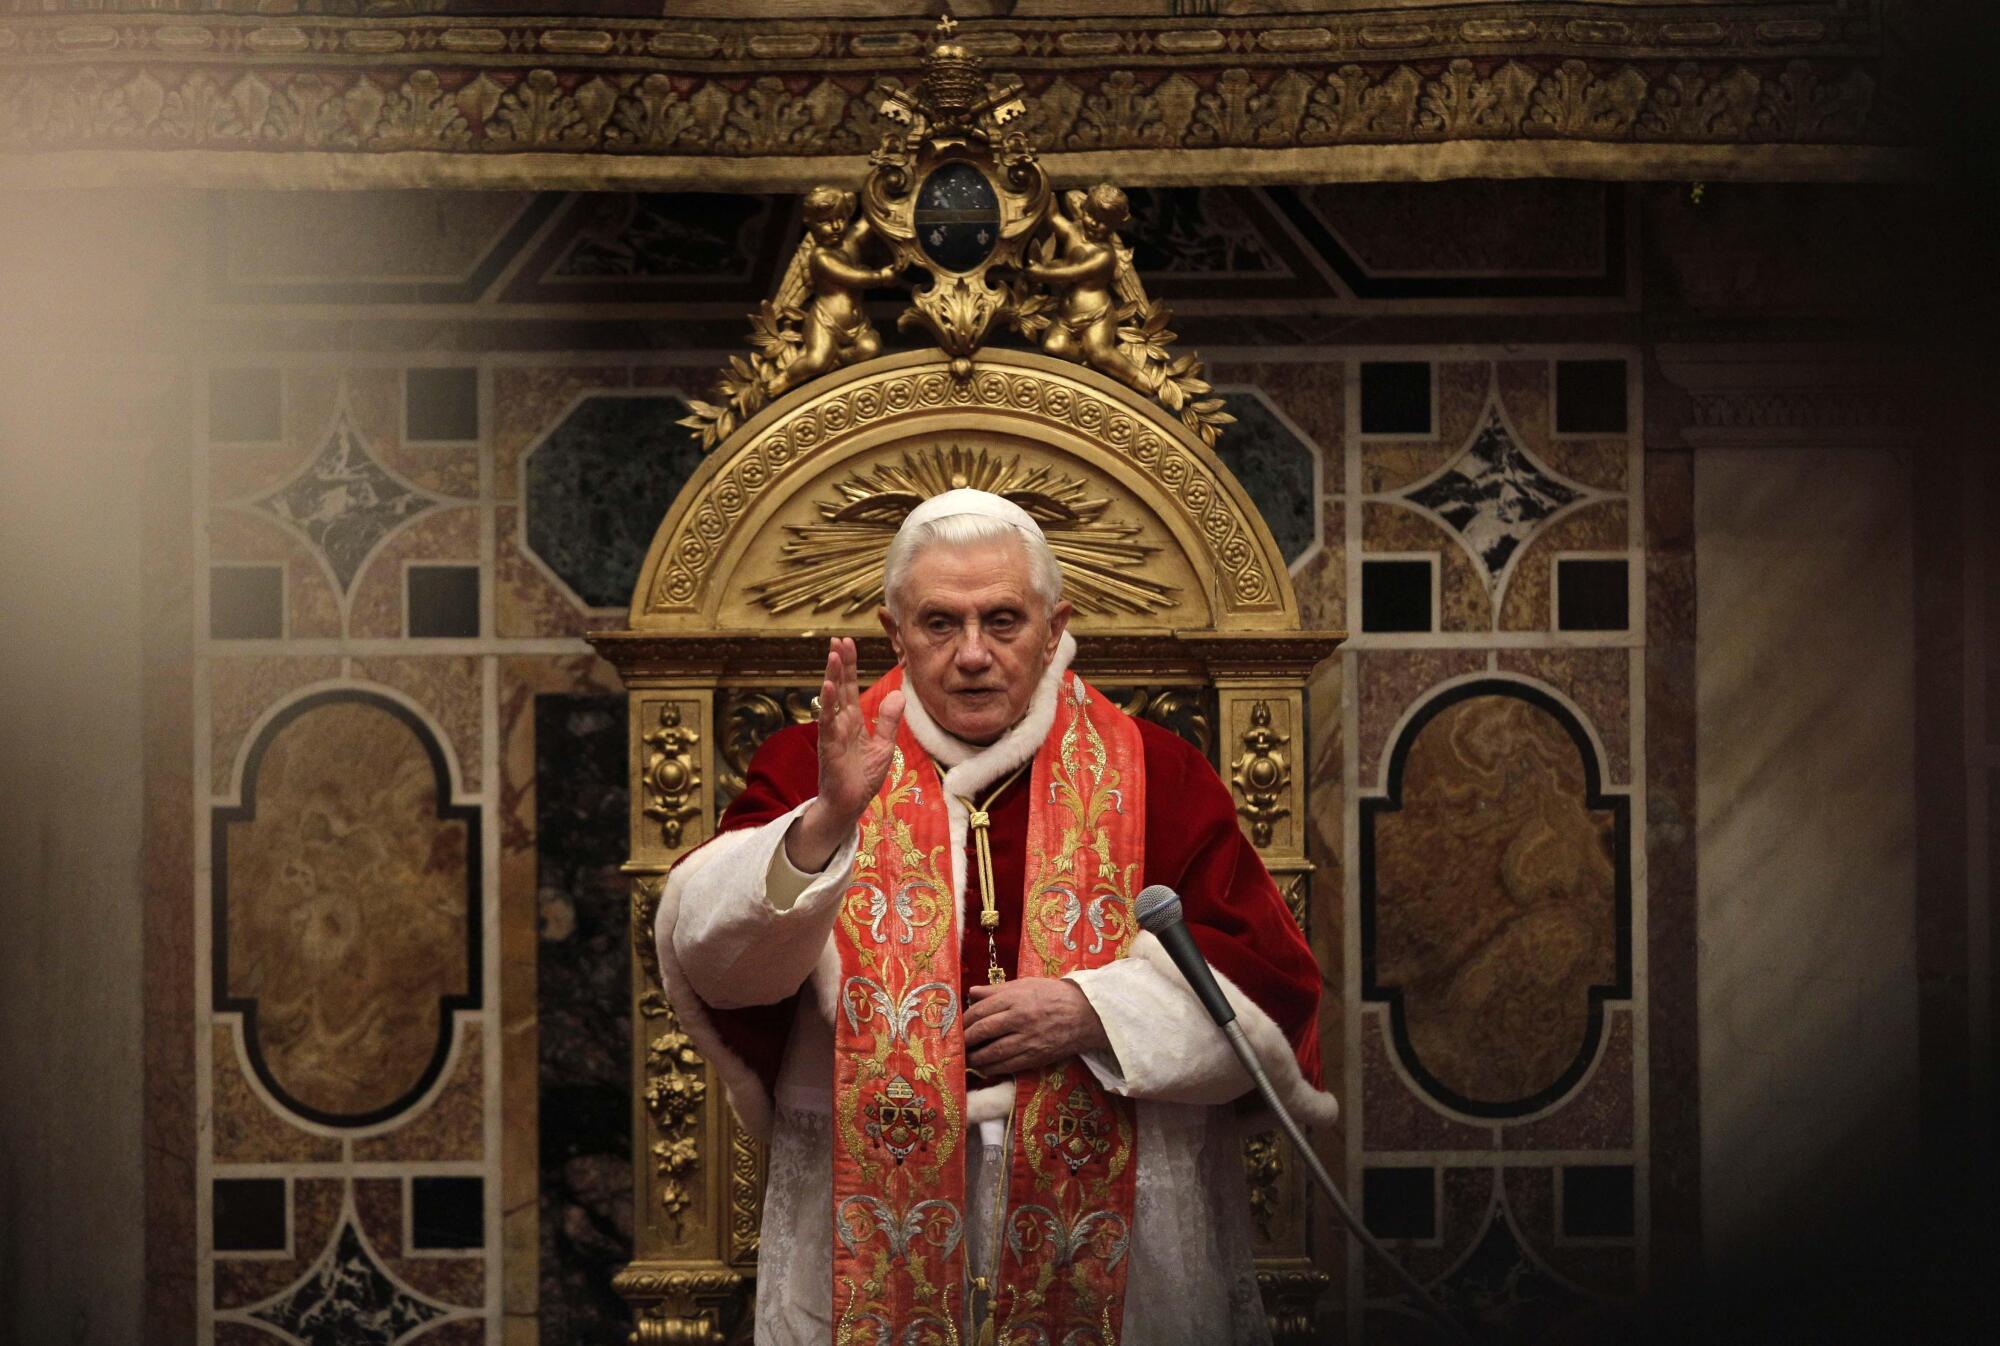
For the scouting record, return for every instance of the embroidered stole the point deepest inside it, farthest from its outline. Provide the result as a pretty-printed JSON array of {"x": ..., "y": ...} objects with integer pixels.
[{"x": 899, "y": 1207}]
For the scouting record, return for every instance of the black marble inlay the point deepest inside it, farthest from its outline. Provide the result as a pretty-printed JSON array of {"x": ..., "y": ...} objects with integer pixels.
[
  {"x": 246, "y": 602},
  {"x": 1395, "y": 595},
  {"x": 1590, "y": 397},
  {"x": 245, "y": 405},
  {"x": 447, "y": 1213},
  {"x": 585, "y": 1030},
  {"x": 957, "y": 217},
  {"x": 1597, "y": 1201},
  {"x": 249, "y": 1215},
  {"x": 348, "y": 1300},
  {"x": 1395, "y": 397},
  {"x": 598, "y": 487},
  {"x": 1496, "y": 495},
  {"x": 1400, "y": 1203},
  {"x": 1592, "y": 594},
  {"x": 443, "y": 600},
  {"x": 441, "y": 404},
  {"x": 1275, "y": 466},
  {"x": 345, "y": 501}
]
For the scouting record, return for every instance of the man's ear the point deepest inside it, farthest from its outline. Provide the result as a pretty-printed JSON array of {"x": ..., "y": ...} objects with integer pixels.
[
  {"x": 895, "y": 636},
  {"x": 1058, "y": 623}
]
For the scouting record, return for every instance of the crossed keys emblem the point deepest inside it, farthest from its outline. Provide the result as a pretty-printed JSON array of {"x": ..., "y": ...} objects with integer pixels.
[
  {"x": 898, "y": 1120},
  {"x": 1076, "y": 1132}
]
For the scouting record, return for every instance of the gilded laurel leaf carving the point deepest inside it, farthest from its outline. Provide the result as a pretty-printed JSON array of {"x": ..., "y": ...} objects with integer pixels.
[
  {"x": 1119, "y": 114},
  {"x": 1573, "y": 102},
  {"x": 650, "y": 115},
  {"x": 1236, "y": 113},
  {"x": 1687, "y": 105},
  {"x": 421, "y": 115},
  {"x": 1461, "y": 103},
  {"x": 766, "y": 118},
  {"x": 1350, "y": 104},
  {"x": 536, "y": 113},
  {"x": 1800, "y": 105}
]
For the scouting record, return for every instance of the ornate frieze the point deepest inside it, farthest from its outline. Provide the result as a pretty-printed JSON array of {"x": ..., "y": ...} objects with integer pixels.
[{"x": 668, "y": 93}]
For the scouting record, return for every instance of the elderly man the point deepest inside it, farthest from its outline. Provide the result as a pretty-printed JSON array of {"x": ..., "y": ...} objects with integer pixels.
[{"x": 995, "y": 1110}]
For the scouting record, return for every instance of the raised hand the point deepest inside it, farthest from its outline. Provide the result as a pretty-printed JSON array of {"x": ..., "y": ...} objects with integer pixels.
[{"x": 853, "y": 760}]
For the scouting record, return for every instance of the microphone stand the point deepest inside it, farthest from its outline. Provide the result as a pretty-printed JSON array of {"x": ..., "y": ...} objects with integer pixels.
[
  {"x": 1241, "y": 1044},
  {"x": 1158, "y": 910}
]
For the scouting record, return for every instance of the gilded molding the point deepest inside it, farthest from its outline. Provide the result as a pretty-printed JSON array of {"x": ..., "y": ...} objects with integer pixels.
[
  {"x": 670, "y": 94},
  {"x": 746, "y": 718},
  {"x": 672, "y": 774},
  {"x": 1264, "y": 1169},
  {"x": 676, "y": 1087},
  {"x": 1002, "y": 382},
  {"x": 746, "y": 1195},
  {"x": 1297, "y": 892},
  {"x": 1262, "y": 775},
  {"x": 1291, "y": 1299}
]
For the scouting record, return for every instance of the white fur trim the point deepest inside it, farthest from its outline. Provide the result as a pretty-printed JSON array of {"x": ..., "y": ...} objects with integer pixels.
[
  {"x": 989, "y": 1103},
  {"x": 1308, "y": 1106},
  {"x": 740, "y": 1084},
  {"x": 971, "y": 767}
]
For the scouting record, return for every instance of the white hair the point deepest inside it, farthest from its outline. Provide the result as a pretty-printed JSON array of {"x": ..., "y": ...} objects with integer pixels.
[{"x": 961, "y": 530}]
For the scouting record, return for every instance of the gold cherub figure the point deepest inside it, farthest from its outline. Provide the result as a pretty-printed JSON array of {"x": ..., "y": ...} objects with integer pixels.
[
  {"x": 1092, "y": 269},
  {"x": 825, "y": 281}
]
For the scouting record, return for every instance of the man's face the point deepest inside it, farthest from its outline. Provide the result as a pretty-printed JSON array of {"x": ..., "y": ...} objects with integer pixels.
[{"x": 974, "y": 638}]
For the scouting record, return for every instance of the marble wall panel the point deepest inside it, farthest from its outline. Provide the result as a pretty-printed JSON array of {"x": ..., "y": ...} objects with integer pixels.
[
  {"x": 447, "y": 469},
  {"x": 1396, "y": 1116},
  {"x": 527, "y": 402},
  {"x": 1673, "y": 1037},
  {"x": 526, "y": 602},
  {"x": 1324, "y": 834},
  {"x": 1463, "y": 599},
  {"x": 451, "y": 688},
  {"x": 522, "y": 681},
  {"x": 458, "y": 1280},
  {"x": 1321, "y": 583},
  {"x": 583, "y": 991},
  {"x": 1311, "y": 395},
  {"x": 1604, "y": 463},
  {"x": 312, "y": 603},
  {"x": 246, "y": 1128},
  {"x": 1610, "y": 1272},
  {"x": 1599, "y": 526},
  {"x": 1805, "y": 841},
  {"x": 168, "y": 1108},
  {"x": 1390, "y": 682},
  {"x": 1495, "y": 900},
  {"x": 350, "y": 892},
  {"x": 1599, "y": 1115},
  {"x": 1465, "y": 1206},
  {"x": 1459, "y": 396},
  {"x": 375, "y": 606},
  {"x": 452, "y": 1124},
  {"x": 240, "y": 689},
  {"x": 1523, "y": 389},
  {"x": 316, "y": 1210},
  {"x": 1599, "y": 682}
]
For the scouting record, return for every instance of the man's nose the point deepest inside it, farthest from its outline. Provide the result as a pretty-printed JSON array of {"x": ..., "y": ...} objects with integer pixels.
[{"x": 973, "y": 653}]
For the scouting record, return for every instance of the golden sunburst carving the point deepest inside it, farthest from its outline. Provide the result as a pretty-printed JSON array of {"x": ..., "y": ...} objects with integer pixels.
[{"x": 837, "y": 563}]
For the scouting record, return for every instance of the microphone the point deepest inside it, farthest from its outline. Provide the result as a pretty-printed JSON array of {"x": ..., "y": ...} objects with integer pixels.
[{"x": 1158, "y": 909}]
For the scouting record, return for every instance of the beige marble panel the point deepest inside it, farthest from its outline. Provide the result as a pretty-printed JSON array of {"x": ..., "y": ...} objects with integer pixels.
[{"x": 1805, "y": 864}]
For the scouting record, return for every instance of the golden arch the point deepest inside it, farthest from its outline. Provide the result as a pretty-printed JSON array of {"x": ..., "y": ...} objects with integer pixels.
[{"x": 727, "y": 532}]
